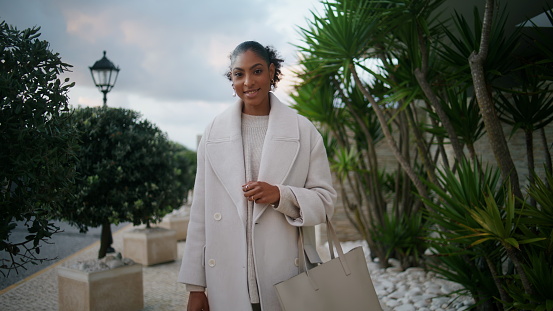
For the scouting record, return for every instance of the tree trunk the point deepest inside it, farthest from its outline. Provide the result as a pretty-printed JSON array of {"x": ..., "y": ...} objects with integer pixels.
[
  {"x": 405, "y": 146},
  {"x": 472, "y": 152},
  {"x": 530, "y": 154},
  {"x": 513, "y": 255},
  {"x": 379, "y": 204},
  {"x": 422, "y": 148},
  {"x": 502, "y": 293},
  {"x": 547, "y": 154},
  {"x": 440, "y": 152},
  {"x": 421, "y": 76},
  {"x": 391, "y": 141},
  {"x": 446, "y": 122},
  {"x": 487, "y": 108},
  {"x": 424, "y": 152},
  {"x": 528, "y": 135},
  {"x": 105, "y": 240}
]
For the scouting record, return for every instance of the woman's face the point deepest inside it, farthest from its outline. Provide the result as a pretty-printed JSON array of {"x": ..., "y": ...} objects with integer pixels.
[{"x": 251, "y": 78}]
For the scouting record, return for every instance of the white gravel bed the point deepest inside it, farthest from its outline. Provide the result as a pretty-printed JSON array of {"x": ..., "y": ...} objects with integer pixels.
[{"x": 413, "y": 289}]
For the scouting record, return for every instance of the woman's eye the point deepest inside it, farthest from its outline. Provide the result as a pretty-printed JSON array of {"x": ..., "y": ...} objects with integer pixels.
[
  {"x": 258, "y": 71},
  {"x": 237, "y": 74}
]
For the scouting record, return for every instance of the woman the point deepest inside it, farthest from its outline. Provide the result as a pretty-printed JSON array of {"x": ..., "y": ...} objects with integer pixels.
[{"x": 262, "y": 172}]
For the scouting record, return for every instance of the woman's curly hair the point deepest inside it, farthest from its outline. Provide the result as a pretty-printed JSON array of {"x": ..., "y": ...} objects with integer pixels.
[{"x": 268, "y": 53}]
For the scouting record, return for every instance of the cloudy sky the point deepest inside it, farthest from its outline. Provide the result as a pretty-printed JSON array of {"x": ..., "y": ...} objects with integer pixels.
[{"x": 172, "y": 53}]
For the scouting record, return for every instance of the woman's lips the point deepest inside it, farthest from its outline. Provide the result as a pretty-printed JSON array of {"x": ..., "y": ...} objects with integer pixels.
[{"x": 251, "y": 93}]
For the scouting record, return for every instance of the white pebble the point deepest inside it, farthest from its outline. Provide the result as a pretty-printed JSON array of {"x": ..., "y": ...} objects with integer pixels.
[
  {"x": 397, "y": 294},
  {"x": 405, "y": 308},
  {"x": 392, "y": 303},
  {"x": 413, "y": 289}
]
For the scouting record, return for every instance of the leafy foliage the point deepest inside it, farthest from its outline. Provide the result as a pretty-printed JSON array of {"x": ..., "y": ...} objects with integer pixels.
[
  {"x": 404, "y": 237},
  {"x": 463, "y": 39},
  {"x": 337, "y": 43},
  {"x": 480, "y": 230},
  {"x": 37, "y": 153},
  {"x": 460, "y": 193},
  {"x": 128, "y": 170},
  {"x": 371, "y": 67},
  {"x": 185, "y": 166},
  {"x": 465, "y": 117}
]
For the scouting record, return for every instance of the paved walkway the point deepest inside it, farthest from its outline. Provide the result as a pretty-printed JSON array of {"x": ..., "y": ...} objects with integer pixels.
[{"x": 40, "y": 290}]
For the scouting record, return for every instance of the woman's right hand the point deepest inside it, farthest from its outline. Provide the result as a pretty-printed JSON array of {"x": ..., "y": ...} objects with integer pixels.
[{"x": 197, "y": 301}]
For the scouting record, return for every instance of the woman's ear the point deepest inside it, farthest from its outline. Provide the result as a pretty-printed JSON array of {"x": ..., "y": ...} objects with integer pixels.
[{"x": 272, "y": 71}]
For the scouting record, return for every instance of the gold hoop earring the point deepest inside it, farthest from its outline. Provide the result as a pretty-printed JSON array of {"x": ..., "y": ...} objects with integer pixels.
[{"x": 272, "y": 84}]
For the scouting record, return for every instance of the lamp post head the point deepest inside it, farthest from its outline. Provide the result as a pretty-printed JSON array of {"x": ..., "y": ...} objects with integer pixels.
[{"x": 104, "y": 74}]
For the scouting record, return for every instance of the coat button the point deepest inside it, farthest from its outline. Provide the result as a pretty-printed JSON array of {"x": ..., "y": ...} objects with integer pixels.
[
  {"x": 217, "y": 216},
  {"x": 211, "y": 263},
  {"x": 297, "y": 262}
]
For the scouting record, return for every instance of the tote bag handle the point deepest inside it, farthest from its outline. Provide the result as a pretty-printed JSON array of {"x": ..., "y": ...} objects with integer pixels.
[{"x": 333, "y": 242}]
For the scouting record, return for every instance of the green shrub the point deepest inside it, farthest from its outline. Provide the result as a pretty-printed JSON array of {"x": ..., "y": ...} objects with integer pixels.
[
  {"x": 127, "y": 172},
  {"x": 37, "y": 162},
  {"x": 498, "y": 249}
]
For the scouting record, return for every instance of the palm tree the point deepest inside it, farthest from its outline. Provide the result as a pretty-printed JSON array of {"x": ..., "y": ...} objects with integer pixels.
[
  {"x": 418, "y": 94},
  {"x": 498, "y": 143},
  {"x": 336, "y": 44},
  {"x": 343, "y": 115}
]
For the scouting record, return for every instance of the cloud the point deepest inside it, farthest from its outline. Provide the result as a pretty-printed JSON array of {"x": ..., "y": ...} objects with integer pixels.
[
  {"x": 87, "y": 27},
  {"x": 173, "y": 54}
]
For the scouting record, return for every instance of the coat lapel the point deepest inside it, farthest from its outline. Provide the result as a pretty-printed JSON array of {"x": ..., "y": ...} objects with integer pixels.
[
  {"x": 280, "y": 149},
  {"x": 225, "y": 152}
]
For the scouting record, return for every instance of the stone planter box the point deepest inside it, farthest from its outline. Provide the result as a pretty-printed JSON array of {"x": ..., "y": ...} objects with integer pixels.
[
  {"x": 150, "y": 246},
  {"x": 177, "y": 223},
  {"x": 114, "y": 289}
]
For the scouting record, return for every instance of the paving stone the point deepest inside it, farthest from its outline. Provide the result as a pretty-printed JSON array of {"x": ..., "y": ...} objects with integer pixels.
[{"x": 40, "y": 291}]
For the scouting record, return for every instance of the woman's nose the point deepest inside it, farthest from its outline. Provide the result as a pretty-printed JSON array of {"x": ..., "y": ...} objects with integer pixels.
[{"x": 248, "y": 80}]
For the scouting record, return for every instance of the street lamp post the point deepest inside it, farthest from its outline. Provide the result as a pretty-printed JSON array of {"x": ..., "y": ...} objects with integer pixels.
[{"x": 104, "y": 74}]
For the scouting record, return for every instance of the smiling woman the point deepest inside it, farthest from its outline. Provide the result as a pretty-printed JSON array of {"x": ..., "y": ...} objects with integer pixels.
[
  {"x": 262, "y": 172},
  {"x": 251, "y": 79},
  {"x": 254, "y": 71}
]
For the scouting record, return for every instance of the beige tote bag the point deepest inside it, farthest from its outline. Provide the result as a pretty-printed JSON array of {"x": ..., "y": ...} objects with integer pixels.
[{"x": 343, "y": 283}]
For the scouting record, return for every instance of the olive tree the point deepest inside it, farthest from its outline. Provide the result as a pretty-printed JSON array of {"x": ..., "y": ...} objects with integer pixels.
[
  {"x": 185, "y": 162},
  {"x": 127, "y": 172},
  {"x": 37, "y": 162}
]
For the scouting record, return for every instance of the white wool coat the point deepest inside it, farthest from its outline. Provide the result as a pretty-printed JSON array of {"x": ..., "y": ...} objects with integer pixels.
[{"x": 215, "y": 254}]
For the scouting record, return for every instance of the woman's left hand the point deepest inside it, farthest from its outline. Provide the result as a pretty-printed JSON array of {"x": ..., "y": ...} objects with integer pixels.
[{"x": 261, "y": 192}]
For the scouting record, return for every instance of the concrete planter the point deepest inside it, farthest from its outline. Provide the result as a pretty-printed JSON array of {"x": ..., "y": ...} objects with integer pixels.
[
  {"x": 114, "y": 289},
  {"x": 150, "y": 246},
  {"x": 179, "y": 223}
]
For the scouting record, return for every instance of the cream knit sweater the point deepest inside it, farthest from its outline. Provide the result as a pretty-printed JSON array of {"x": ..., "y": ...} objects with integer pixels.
[{"x": 254, "y": 129}]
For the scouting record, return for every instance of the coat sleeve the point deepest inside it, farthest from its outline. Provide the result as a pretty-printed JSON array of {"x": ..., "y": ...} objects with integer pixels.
[
  {"x": 317, "y": 197},
  {"x": 192, "y": 269},
  {"x": 288, "y": 204}
]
